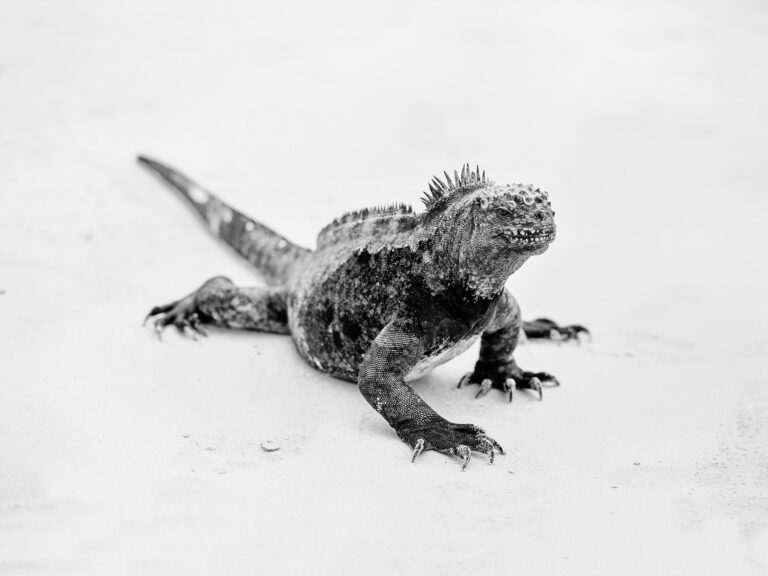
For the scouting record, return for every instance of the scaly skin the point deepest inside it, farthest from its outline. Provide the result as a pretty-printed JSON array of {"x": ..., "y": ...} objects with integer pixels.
[{"x": 389, "y": 294}]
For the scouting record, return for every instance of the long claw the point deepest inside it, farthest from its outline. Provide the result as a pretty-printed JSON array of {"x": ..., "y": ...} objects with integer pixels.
[
  {"x": 418, "y": 449},
  {"x": 194, "y": 321},
  {"x": 153, "y": 312},
  {"x": 581, "y": 330},
  {"x": 536, "y": 385},
  {"x": 464, "y": 379},
  {"x": 181, "y": 314},
  {"x": 488, "y": 448},
  {"x": 159, "y": 326},
  {"x": 573, "y": 332},
  {"x": 465, "y": 453},
  {"x": 200, "y": 330},
  {"x": 552, "y": 379},
  {"x": 510, "y": 385},
  {"x": 188, "y": 328},
  {"x": 485, "y": 386},
  {"x": 158, "y": 310}
]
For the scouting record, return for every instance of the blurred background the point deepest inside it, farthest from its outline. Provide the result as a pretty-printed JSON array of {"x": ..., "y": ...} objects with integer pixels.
[{"x": 645, "y": 122}]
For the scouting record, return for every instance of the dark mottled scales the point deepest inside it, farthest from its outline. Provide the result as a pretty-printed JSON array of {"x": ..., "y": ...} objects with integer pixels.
[
  {"x": 389, "y": 294},
  {"x": 350, "y": 308}
]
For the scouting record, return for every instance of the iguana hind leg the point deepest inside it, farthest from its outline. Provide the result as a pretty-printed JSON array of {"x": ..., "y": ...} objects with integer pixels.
[
  {"x": 547, "y": 329},
  {"x": 218, "y": 302}
]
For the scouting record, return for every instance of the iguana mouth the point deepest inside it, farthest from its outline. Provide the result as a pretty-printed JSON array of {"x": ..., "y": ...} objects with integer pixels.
[{"x": 531, "y": 236}]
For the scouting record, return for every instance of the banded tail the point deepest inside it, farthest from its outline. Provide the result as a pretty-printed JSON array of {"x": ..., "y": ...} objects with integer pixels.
[{"x": 272, "y": 254}]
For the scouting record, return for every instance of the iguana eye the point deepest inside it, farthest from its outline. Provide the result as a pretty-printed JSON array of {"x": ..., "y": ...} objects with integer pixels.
[{"x": 506, "y": 212}]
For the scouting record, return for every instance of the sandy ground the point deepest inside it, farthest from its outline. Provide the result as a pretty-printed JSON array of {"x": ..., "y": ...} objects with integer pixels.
[{"x": 122, "y": 455}]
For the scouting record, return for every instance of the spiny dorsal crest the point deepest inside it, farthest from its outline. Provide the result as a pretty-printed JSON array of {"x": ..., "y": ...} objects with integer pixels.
[
  {"x": 365, "y": 214},
  {"x": 374, "y": 212},
  {"x": 443, "y": 192}
]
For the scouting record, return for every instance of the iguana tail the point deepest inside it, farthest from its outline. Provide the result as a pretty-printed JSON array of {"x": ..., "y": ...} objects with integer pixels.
[{"x": 274, "y": 256}]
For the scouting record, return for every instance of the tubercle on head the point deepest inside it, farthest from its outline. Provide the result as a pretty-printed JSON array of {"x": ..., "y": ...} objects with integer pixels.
[{"x": 520, "y": 194}]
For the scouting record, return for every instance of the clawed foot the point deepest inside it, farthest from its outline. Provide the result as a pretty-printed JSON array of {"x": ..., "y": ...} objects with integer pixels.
[
  {"x": 454, "y": 439},
  {"x": 508, "y": 380},
  {"x": 182, "y": 314},
  {"x": 186, "y": 314},
  {"x": 544, "y": 328}
]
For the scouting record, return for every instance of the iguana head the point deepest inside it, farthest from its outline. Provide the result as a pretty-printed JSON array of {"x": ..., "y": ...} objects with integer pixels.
[
  {"x": 514, "y": 217},
  {"x": 485, "y": 231}
]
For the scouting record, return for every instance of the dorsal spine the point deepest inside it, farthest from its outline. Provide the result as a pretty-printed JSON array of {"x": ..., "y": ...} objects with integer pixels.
[
  {"x": 356, "y": 223},
  {"x": 441, "y": 193}
]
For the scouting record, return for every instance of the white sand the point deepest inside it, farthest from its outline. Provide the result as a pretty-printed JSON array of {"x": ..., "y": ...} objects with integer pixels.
[{"x": 121, "y": 455}]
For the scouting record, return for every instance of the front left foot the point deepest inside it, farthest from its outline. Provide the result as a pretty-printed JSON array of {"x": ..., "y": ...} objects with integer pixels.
[{"x": 508, "y": 378}]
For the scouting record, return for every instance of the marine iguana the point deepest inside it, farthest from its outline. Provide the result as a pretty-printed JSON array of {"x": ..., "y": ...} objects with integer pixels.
[{"x": 388, "y": 294}]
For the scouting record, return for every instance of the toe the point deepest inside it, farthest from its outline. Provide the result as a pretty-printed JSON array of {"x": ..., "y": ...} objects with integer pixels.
[
  {"x": 579, "y": 330},
  {"x": 160, "y": 325},
  {"x": 188, "y": 329},
  {"x": 546, "y": 377},
  {"x": 417, "y": 449},
  {"x": 485, "y": 386},
  {"x": 465, "y": 453},
  {"x": 194, "y": 321},
  {"x": 542, "y": 377},
  {"x": 159, "y": 310},
  {"x": 496, "y": 446},
  {"x": 509, "y": 386},
  {"x": 489, "y": 447},
  {"x": 536, "y": 386},
  {"x": 556, "y": 335}
]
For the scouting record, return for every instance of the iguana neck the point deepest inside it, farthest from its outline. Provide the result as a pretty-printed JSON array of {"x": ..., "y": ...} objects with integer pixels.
[
  {"x": 452, "y": 261},
  {"x": 487, "y": 279}
]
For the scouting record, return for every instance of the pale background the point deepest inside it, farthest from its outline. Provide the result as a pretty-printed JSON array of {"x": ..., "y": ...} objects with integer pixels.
[{"x": 646, "y": 123}]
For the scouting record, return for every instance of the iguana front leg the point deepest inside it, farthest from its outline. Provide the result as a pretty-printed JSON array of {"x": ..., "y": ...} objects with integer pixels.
[
  {"x": 218, "y": 302},
  {"x": 496, "y": 368},
  {"x": 381, "y": 380}
]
